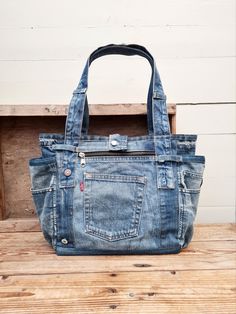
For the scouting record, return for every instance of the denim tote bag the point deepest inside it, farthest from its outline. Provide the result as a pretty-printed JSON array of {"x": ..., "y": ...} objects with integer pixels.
[{"x": 117, "y": 194}]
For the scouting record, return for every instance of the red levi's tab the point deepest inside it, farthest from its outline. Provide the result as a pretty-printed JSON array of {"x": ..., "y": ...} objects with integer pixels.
[{"x": 81, "y": 186}]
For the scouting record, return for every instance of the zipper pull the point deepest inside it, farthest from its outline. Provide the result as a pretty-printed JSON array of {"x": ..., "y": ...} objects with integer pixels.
[{"x": 82, "y": 159}]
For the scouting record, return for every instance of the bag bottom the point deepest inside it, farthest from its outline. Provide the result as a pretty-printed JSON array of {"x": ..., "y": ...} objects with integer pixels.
[{"x": 61, "y": 251}]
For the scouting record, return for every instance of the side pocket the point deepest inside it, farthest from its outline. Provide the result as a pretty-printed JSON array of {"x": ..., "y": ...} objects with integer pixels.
[
  {"x": 189, "y": 190},
  {"x": 43, "y": 188}
]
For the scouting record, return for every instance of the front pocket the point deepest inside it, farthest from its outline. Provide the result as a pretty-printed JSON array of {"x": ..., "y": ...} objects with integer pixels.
[{"x": 113, "y": 205}]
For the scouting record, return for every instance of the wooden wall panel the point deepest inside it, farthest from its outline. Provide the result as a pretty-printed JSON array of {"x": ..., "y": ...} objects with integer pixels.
[
  {"x": 207, "y": 119},
  {"x": 2, "y": 192},
  {"x": 113, "y": 80},
  {"x": 109, "y": 13},
  {"x": 215, "y": 214},
  {"x": 215, "y": 126},
  {"x": 28, "y": 43},
  {"x": 41, "y": 57},
  {"x": 20, "y": 143}
]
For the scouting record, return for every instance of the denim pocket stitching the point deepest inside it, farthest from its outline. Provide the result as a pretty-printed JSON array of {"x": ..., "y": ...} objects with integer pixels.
[
  {"x": 133, "y": 228},
  {"x": 39, "y": 191},
  {"x": 184, "y": 198},
  {"x": 182, "y": 185},
  {"x": 114, "y": 178},
  {"x": 46, "y": 211}
]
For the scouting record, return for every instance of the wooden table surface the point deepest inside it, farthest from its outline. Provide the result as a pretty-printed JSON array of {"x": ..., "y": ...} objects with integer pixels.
[{"x": 201, "y": 279}]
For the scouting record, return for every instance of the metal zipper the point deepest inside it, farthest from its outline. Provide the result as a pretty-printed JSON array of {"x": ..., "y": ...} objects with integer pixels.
[
  {"x": 82, "y": 159},
  {"x": 108, "y": 154}
]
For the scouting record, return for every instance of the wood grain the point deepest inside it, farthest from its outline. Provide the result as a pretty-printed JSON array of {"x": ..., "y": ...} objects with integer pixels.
[
  {"x": 103, "y": 292},
  {"x": 18, "y": 199},
  {"x": 2, "y": 192},
  {"x": 20, "y": 225},
  {"x": 201, "y": 279},
  {"x": 29, "y": 253},
  {"x": 94, "y": 109}
]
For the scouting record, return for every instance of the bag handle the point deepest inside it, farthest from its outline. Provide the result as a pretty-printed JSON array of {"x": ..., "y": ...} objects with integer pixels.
[
  {"x": 99, "y": 52},
  {"x": 156, "y": 107},
  {"x": 128, "y": 50}
]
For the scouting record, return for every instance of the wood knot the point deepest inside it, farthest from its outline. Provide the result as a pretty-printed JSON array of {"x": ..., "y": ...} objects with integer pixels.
[
  {"x": 113, "y": 290},
  {"x": 113, "y": 275},
  {"x": 150, "y": 294},
  {"x": 142, "y": 265},
  {"x": 113, "y": 306}
]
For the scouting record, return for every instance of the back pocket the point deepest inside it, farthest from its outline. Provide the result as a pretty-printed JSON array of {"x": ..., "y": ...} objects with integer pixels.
[{"x": 113, "y": 205}]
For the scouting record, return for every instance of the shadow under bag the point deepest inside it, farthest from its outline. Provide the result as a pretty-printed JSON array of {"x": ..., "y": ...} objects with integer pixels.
[{"x": 117, "y": 194}]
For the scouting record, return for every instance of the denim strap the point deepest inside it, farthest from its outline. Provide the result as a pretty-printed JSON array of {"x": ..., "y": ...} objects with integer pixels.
[{"x": 157, "y": 111}]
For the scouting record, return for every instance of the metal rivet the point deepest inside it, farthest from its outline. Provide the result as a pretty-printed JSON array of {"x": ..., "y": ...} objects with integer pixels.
[
  {"x": 67, "y": 172},
  {"x": 64, "y": 241},
  {"x": 114, "y": 143}
]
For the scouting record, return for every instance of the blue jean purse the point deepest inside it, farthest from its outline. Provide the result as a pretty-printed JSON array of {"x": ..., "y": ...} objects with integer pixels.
[{"x": 117, "y": 194}]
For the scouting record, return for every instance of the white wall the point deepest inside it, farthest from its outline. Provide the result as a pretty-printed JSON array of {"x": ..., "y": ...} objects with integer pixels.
[{"x": 44, "y": 45}]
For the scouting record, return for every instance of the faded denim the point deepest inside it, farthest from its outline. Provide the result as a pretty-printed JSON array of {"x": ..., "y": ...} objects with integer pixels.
[{"x": 117, "y": 194}]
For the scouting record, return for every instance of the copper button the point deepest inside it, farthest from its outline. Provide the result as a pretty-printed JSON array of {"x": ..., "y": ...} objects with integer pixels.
[{"x": 67, "y": 172}]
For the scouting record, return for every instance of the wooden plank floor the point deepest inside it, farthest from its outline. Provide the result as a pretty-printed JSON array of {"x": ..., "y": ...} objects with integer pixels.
[{"x": 201, "y": 279}]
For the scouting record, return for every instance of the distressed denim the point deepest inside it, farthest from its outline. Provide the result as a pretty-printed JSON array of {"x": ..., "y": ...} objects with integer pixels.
[{"x": 117, "y": 194}]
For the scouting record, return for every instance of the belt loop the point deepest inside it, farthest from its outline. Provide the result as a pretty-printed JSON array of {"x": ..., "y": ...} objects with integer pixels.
[
  {"x": 80, "y": 91},
  {"x": 164, "y": 162},
  {"x": 118, "y": 142}
]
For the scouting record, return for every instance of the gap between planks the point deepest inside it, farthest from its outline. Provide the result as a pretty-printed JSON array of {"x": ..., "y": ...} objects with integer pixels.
[{"x": 117, "y": 273}]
